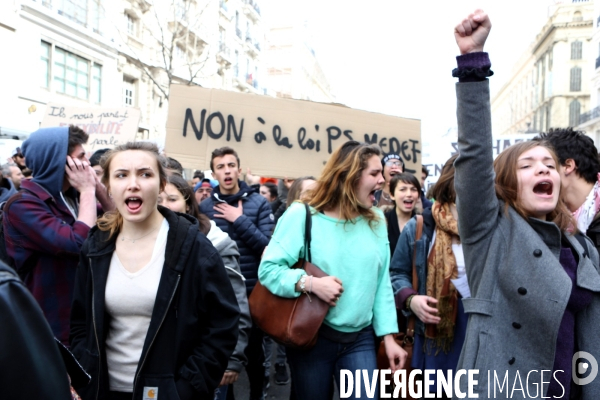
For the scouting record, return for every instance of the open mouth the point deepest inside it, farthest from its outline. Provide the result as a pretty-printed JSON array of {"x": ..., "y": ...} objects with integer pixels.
[
  {"x": 408, "y": 203},
  {"x": 228, "y": 180},
  {"x": 543, "y": 188},
  {"x": 372, "y": 196},
  {"x": 134, "y": 204}
]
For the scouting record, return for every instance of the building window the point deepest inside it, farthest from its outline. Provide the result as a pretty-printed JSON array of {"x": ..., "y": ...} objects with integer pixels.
[
  {"x": 236, "y": 66},
  {"x": 577, "y": 17},
  {"x": 576, "y": 50},
  {"x": 96, "y": 83},
  {"x": 238, "y": 31},
  {"x": 128, "y": 92},
  {"x": 131, "y": 25},
  {"x": 45, "y": 64},
  {"x": 72, "y": 75},
  {"x": 574, "y": 111},
  {"x": 180, "y": 55},
  {"x": 182, "y": 9},
  {"x": 75, "y": 10},
  {"x": 95, "y": 11},
  {"x": 575, "y": 79}
]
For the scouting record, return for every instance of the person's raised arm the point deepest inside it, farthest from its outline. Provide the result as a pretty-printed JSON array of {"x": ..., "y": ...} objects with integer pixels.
[
  {"x": 82, "y": 177},
  {"x": 104, "y": 199},
  {"x": 474, "y": 178}
]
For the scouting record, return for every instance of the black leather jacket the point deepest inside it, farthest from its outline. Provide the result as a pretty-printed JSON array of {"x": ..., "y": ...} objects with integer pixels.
[{"x": 31, "y": 366}]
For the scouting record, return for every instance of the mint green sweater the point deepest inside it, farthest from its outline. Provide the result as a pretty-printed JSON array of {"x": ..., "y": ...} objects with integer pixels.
[{"x": 353, "y": 252}]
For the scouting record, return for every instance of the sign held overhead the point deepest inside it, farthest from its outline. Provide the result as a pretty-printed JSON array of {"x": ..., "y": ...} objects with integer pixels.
[
  {"x": 277, "y": 137},
  {"x": 107, "y": 127}
]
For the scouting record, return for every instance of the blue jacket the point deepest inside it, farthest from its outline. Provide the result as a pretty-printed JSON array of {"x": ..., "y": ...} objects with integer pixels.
[
  {"x": 252, "y": 231},
  {"x": 401, "y": 264}
]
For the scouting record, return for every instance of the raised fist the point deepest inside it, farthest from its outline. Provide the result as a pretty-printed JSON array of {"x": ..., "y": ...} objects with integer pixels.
[{"x": 472, "y": 32}]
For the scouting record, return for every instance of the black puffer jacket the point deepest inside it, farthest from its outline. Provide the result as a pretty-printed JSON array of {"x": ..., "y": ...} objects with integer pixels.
[
  {"x": 252, "y": 231},
  {"x": 194, "y": 324}
]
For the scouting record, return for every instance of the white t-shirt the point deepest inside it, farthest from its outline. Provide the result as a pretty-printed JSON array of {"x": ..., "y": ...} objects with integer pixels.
[{"x": 129, "y": 301}]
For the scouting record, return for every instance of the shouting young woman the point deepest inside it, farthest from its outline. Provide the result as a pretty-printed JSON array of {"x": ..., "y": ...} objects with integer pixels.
[
  {"x": 349, "y": 243},
  {"x": 153, "y": 311},
  {"x": 535, "y": 286}
]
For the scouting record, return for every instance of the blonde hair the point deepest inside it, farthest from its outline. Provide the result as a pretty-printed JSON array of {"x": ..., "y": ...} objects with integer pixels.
[
  {"x": 339, "y": 180},
  {"x": 112, "y": 221}
]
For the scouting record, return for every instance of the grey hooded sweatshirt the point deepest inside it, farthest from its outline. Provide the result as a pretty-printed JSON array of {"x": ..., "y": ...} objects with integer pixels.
[{"x": 228, "y": 251}]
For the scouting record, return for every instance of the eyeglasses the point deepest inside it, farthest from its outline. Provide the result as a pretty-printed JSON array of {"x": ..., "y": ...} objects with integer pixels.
[{"x": 393, "y": 163}]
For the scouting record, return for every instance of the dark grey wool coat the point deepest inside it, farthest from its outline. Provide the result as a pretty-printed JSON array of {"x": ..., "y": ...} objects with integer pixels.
[{"x": 520, "y": 290}]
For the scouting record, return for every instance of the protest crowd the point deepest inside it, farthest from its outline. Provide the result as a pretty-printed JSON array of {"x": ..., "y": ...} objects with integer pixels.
[{"x": 123, "y": 280}]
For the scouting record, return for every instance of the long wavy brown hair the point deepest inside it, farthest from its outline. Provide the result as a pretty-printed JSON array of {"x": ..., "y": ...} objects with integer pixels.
[
  {"x": 112, "y": 221},
  {"x": 507, "y": 183},
  {"x": 337, "y": 185}
]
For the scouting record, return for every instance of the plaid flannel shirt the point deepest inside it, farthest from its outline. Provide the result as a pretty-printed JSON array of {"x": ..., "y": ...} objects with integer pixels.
[{"x": 36, "y": 224}]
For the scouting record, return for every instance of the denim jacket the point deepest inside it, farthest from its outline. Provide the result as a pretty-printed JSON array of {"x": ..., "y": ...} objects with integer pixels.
[{"x": 401, "y": 264}]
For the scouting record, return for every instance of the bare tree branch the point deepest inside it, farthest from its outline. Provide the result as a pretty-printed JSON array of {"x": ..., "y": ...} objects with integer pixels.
[{"x": 184, "y": 20}]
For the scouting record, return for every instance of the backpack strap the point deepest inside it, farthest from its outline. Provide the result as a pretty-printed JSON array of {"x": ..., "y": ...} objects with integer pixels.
[{"x": 581, "y": 239}]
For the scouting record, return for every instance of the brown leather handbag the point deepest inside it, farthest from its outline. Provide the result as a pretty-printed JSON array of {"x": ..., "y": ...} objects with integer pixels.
[
  {"x": 406, "y": 340},
  {"x": 293, "y": 322}
]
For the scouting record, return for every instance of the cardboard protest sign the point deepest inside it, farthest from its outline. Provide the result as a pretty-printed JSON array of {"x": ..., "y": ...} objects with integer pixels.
[
  {"x": 107, "y": 127},
  {"x": 445, "y": 148},
  {"x": 277, "y": 137}
]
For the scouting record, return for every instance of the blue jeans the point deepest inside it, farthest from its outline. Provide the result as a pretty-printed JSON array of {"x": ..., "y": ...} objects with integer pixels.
[
  {"x": 221, "y": 392},
  {"x": 312, "y": 370},
  {"x": 267, "y": 348}
]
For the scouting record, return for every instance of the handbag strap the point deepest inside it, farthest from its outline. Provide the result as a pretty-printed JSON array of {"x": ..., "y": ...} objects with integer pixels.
[
  {"x": 410, "y": 329},
  {"x": 419, "y": 232},
  {"x": 307, "y": 229}
]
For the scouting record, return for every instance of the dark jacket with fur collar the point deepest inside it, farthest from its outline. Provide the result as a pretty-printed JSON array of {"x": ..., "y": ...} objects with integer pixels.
[{"x": 194, "y": 325}]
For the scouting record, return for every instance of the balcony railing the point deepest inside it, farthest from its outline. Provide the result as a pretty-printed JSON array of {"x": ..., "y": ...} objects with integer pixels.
[
  {"x": 590, "y": 115},
  {"x": 254, "y": 5},
  {"x": 224, "y": 53}
]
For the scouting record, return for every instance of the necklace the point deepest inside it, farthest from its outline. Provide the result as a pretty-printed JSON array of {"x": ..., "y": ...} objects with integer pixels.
[
  {"x": 141, "y": 237},
  {"x": 386, "y": 197}
]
